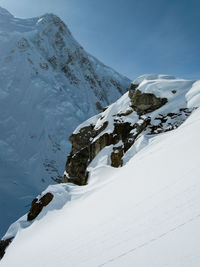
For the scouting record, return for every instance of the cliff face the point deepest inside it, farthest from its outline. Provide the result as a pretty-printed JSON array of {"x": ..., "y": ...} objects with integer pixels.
[{"x": 141, "y": 113}]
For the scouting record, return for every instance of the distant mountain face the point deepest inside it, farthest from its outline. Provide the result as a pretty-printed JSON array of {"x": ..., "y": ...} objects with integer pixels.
[{"x": 48, "y": 85}]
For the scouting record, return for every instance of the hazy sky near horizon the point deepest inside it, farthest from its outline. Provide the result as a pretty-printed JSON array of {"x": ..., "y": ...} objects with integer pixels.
[{"x": 132, "y": 36}]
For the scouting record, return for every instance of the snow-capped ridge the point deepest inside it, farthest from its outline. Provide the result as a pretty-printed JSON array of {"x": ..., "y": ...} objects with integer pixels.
[
  {"x": 50, "y": 20},
  {"x": 143, "y": 77},
  {"x": 4, "y": 13}
]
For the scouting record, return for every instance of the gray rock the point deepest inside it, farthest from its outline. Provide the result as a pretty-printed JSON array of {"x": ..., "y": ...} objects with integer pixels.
[
  {"x": 37, "y": 206},
  {"x": 144, "y": 103}
]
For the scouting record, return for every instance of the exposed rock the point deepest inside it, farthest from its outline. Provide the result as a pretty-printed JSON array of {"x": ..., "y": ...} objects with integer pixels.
[
  {"x": 83, "y": 152},
  {"x": 169, "y": 121},
  {"x": 116, "y": 157},
  {"x": 126, "y": 113},
  {"x": 3, "y": 245},
  {"x": 82, "y": 139},
  {"x": 127, "y": 122},
  {"x": 23, "y": 44},
  {"x": 133, "y": 87},
  {"x": 38, "y": 204},
  {"x": 86, "y": 144},
  {"x": 144, "y": 103},
  {"x": 76, "y": 166},
  {"x": 85, "y": 148}
]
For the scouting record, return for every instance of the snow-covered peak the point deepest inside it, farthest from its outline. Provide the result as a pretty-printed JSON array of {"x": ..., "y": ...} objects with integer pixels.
[
  {"x": 143, "y": 77},
  {"x": 165, "y": 87},
  {"x": 5, "y": 14},
  {"x": 50, "y": 20},
  {"x": 31, "y": 26}
]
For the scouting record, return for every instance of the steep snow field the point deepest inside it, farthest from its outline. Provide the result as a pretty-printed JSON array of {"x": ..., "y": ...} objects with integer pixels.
[
  {"x": 146, "y": 213},
  {"x": 48, "y": 85}
]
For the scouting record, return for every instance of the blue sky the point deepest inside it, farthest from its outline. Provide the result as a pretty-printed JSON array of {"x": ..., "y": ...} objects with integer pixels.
[{"x": 132, "y": 36}]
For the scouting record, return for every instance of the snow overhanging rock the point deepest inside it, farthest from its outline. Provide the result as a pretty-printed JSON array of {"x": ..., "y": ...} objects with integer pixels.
[{"x": 140, "y": 112}]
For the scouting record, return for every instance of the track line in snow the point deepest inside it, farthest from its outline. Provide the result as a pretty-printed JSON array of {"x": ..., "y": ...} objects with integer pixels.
[{"x": 150, "y": 241}]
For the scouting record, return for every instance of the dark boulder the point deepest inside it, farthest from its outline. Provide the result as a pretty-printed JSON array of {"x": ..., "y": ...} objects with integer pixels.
[
  {"x": 3, "y": 245},
  {"x": 116, "y": 157},
  {"x": 37, "y": 205}
]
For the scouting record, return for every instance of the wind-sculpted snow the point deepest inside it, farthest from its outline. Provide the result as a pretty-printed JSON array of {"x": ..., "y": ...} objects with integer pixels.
[
  {"x": 143, "y": 214},
  {"x": 48, "y": 85}
]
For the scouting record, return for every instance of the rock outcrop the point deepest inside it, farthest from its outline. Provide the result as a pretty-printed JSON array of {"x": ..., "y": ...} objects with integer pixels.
[
  {"x": 119, "y": 126},
  {"x": 37, "y": 205},
  {"x": 144, "y": 103},
  {"x": 3, "y": 245}
]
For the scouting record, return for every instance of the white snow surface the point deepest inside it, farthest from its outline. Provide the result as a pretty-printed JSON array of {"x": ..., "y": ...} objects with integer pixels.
[
  {"x": 146, "y": 213},
  {"x": 143, "y": 77},
  {"x": 181, "y": 94},
  {"x": 48, "y": 85}
]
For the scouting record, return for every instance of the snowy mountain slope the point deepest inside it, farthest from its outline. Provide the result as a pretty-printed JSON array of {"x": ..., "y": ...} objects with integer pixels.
[
  {"x": 153, "y": 105},
  {"x": 145, "y": 213},
  {"x": 48, "y": 85}
]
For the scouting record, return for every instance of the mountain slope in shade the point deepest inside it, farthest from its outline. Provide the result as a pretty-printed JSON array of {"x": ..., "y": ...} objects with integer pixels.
[
  {"x": 145, "y": 213},
  {"x": 48, "y": 85}
]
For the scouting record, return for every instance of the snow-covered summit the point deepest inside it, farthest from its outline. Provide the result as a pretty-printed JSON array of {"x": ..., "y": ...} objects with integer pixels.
[
  {"x": 5, "y": 13},
  {"x": 154, "y": 76},
  {"x": 48, "y": 85}
]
